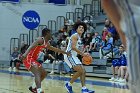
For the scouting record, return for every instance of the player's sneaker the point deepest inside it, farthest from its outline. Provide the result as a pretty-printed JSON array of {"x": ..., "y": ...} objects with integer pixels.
[
  {"x": 68, "y": 88},
  {"x": 33, "y": 90},
  {"x": 84, "y": 91},
  {"x": 87, "y": 91}
]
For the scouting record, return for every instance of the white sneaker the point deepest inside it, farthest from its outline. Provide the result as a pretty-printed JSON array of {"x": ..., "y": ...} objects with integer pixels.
[
  {"x": 10, "y": 69},
  {"x": 112, "y": 79},
  {"x": 122, "y": 80},
  {"x": 52, "y": 72},
  {"x": 14, "y": 69}
]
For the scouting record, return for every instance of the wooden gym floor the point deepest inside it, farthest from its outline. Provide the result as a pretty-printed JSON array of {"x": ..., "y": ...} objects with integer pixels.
[{"x": 19, "y": 83}]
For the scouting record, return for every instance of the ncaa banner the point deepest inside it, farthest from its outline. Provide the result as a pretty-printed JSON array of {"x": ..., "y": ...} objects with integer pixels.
[{"x": 31, "y": 19}]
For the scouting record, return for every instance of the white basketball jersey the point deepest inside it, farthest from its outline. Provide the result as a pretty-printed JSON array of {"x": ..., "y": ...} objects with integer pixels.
[{"x": 78, "y": 45}]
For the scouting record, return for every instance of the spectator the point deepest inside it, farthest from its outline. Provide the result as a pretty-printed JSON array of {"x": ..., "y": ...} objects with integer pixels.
[
  {"x": 107, "y": 46},
  {"x": 86, "y": 41},
  {"x": 95, "y": 43},
  {"x": 117, "y": 63},
  {"x": 90, "y": 29},
  {"x": 14, "y": 59},
  {"x": 104, "y": 33},
  {"x": 113, "y": 31},
  {"x": 107, "y": 23}
]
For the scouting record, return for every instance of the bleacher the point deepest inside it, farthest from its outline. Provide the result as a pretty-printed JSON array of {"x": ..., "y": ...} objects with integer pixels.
[{"x": 98, "y": 68}]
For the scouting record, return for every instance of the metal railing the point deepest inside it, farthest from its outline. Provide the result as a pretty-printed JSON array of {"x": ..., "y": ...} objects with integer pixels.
[
  {"x": 14, "y": 42},
  {"x": 52, "y": 26},
  {"x": 23, "y": 37},
  {"x": 40, "y": 28},
  {"x": 87, "y": 9},
  {"x": 78, "y": 13},
  {"x": 60, "y": 20},
  {"x": 32, "y": 35},
  {"x": 70, "y": 15},
  {"x": 96, "y": 7}
]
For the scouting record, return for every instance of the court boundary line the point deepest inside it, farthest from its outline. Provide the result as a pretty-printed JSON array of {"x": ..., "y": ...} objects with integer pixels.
[{"x": 90, "y": 82}]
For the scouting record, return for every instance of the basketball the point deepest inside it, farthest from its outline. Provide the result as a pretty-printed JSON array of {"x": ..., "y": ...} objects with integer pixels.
[{"x": 87, "y": 60}]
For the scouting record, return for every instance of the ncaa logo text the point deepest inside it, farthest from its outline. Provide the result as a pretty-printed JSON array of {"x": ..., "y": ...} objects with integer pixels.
[{"x": 31, "y": 19}]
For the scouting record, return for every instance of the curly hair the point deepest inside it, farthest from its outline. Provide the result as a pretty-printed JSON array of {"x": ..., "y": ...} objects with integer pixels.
[{"x": 77, "y": 24}]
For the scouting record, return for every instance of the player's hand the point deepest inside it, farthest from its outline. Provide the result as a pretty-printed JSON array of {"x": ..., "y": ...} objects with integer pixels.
[{"x": 85, "y": 54}]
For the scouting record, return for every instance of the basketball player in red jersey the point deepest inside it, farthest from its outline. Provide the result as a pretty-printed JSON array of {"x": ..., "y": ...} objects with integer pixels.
[{"x": 30, "y": 59}]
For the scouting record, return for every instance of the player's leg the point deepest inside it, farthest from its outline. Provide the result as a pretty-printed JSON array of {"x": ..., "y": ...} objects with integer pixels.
[
  {"x": 80, "y": 72},
  {"x": 43, "y": 73},
  {"x": 77, "y": 66},
  {"x": 33, "y": 88},
  {"x": 37, "y": 71}
]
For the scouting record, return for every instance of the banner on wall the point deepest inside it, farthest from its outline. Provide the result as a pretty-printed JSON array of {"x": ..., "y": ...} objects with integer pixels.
[
  {"x": 31, "y": 19},
  {"x": 13, "y": 1},
  {"x": 57, "y": 1}
]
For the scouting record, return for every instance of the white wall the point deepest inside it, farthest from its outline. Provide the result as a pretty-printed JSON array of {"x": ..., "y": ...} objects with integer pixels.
[{"x": 11, "y": 21}]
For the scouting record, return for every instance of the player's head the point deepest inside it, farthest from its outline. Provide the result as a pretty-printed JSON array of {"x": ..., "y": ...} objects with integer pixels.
[
  {"x": 80, "y": 27},
  {"x": 46, "y": 33}
]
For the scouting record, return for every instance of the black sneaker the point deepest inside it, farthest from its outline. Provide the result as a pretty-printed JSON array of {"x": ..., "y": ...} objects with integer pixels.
[{"x": 33, "y": 90}]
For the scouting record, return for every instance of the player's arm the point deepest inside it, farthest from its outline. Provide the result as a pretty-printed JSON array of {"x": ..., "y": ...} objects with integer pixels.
[
  {"x": 34, "y": 44},
  {"x": 114, "y": 14},
  {"x": 74, "y": 42},
  {"x": 56, "y": 49}
]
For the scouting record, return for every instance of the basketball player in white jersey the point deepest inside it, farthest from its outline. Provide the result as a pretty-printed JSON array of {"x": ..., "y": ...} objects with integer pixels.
[
  {"x": 73, "y": 61},
  {"x": 125, "y": 15}
]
